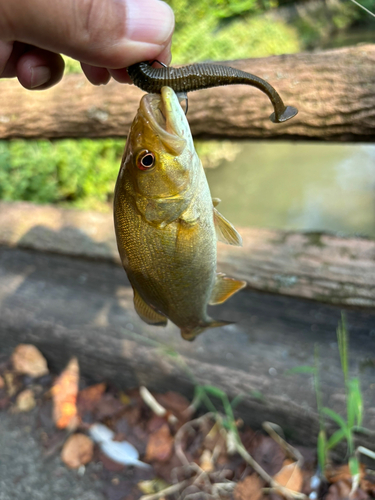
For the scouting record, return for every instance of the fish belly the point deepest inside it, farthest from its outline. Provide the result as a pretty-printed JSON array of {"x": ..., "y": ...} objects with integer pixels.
[{"x": 172, "y": 268}]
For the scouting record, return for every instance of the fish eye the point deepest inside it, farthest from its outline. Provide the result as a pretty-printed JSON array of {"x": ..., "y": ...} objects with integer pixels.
[{"x": 145, "y": 160}]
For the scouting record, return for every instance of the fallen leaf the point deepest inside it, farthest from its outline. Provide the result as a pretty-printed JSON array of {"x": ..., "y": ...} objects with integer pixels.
[
  {"x": 368, "y": 486},
  {"x": 64, "y": 394},
  {"x": 269, "y": 455},
  {"x": 342, "y": 473},
  {"x": 108, "y": 406},
  {"x": 160, "y": 445},
  {"x": 11, "y": 383},
  {"x": 174, "y": 403},
  {"x": 28, "y": 360},
  {"x": 290, "y": 476},
  {"x": 248, "y": 489},
  {"x": 25, "y": 401},
  {"x": 88, "y": 399},
  {"x": 338, "y": 491},
  {"x": 77, "y": 451}
]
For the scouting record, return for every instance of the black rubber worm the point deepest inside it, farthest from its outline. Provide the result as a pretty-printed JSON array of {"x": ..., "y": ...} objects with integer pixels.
[{"x": 203, "y": 76}]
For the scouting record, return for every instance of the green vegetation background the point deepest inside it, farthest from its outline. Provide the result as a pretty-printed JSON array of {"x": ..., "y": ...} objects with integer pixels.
[{"x": 82, "y": 173}]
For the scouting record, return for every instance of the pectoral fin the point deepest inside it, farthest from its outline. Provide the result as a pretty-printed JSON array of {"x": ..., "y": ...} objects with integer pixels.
[
  {"x": 146, "y": 313},
  {"x": 224, "y": 288},
  {"x": 225, "y": 232}
]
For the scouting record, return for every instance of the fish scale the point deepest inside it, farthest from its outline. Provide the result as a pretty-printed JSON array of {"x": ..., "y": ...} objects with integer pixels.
[{"x": 166, "y": 224}]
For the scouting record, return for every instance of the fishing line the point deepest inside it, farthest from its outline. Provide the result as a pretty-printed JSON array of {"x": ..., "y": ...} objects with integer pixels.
[{"x": 364, "y": 8}]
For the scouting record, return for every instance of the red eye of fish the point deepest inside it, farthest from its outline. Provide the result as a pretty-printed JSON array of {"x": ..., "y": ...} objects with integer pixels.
[{"x": 145, "y": 160}]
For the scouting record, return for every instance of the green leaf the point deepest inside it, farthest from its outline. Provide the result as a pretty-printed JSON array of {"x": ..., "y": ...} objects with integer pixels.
[
  {"x": 354, "y": 466},
  {"x": 336, "y": 438},
  {"x": 322, "y": 450},
  {"x": 343, "y": 342},
  {"x": 300, "y": 369},
  {"x": 214, "y": 391},
  {"x": 236, "y": 401},
  {"x": 257, "y": 395},
  {"x": 336, "y": 418},
  {"x": 355, "y": 403},
  {"x": 361, "y": 430}
]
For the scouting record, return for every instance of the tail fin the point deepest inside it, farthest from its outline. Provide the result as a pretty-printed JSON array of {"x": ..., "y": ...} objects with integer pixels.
[{"x": 191, "y": 333}]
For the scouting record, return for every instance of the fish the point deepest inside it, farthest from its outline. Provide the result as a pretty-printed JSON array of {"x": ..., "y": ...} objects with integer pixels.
[{"x": 166, "y": 223}]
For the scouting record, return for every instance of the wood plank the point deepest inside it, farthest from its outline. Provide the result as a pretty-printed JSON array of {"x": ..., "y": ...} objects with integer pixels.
[
  {"x": 333, "y": 90},
  {"x": 316, "y": 266},
  {"x": 73, "y": 306}
]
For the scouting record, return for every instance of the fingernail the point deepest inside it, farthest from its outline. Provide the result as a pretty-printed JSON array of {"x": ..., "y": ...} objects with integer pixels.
[
  {"x": 39, "y": 76},
  {"x": 150, "y": 21}
]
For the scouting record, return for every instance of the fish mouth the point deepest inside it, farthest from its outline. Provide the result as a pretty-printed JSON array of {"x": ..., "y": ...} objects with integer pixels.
[{"x": 165, "y": 115}]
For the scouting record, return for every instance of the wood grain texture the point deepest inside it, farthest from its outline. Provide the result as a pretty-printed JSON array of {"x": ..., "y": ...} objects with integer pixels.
[
  {"x": 76, "y": 307},
  {"x": 334, "y": 91},
  {"x": 316, "y": 266}
]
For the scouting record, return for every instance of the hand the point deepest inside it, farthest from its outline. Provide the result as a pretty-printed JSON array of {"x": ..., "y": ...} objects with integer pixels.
[{"x": 105, "y": 35}]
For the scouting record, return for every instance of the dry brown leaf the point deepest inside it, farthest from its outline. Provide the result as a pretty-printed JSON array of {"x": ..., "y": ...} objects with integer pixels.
[
  {"x": 77, "y": 450},
  {"x": 338, "y": 491},
  {"x": 248, "y": 489},
  {"x": 25, "y": 401},
  {"x": 160, "y": 444},
  {"x": 290, "y": 476},
  {"x": 64, "y": 394},
  {"x": 342, "y": 473},
  {"x": 174, "y": 402},
  {"x": 28, "y": 360},
  {"x": 88, "y": 398}
]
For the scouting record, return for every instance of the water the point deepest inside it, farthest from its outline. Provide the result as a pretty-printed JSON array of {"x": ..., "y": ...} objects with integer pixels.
[{"x": 298, "y": 186}]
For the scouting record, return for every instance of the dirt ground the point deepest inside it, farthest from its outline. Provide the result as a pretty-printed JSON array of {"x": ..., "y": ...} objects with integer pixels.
[{"x": 26, "y": 474}]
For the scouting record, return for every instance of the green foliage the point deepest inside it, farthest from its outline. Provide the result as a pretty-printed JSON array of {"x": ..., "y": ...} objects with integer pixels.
[
  {"x": 82, "y": 172},
  {"x": 71, "y": 65},
  {"x": 254, "y": 37},
  {"x": 223, "y": 29},
  {"x": 203, "y": 393},
  {"x": 354, "y": 404}
]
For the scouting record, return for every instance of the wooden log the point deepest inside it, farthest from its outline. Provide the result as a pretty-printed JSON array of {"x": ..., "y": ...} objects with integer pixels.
[
  {"x": 75, "y": 306},
  {"x": 316, "y": 266},
  {"x": 333, "y": 90}
]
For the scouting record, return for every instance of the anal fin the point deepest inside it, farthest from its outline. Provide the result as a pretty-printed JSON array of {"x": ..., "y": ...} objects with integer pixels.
[
  {"x": 191, "y": 333},
  {"x": 147, "y": 313},
  {"x": 225, "y": 232},
  {"x": 224, "y": 288}
]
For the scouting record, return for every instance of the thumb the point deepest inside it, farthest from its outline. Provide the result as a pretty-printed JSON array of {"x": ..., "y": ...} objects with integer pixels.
[{"x": 105, "y": 33}]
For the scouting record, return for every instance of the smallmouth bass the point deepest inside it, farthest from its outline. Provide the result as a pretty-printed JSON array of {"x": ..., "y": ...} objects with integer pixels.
[{"x": 166, "y": 222}]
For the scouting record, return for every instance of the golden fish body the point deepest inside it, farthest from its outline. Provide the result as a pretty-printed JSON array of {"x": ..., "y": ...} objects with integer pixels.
[{"x": 165, "y": 221}]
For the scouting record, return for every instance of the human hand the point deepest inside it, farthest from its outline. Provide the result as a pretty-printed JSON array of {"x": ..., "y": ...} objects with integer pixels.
[{"x": 105, "y": 35}]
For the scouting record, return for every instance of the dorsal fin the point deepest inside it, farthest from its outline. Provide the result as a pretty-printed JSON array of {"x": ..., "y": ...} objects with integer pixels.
[
  {"x": 147, "y": 313},
  {"x": 225, "y": 232},
  {"x": 224, "y": 288}
]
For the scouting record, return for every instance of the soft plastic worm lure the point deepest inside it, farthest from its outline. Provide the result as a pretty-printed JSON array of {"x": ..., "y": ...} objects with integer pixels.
[{"x": 203, "y": 76}]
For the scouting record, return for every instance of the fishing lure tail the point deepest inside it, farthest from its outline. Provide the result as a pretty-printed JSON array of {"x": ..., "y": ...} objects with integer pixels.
[{"x": 203, "y": 76}]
